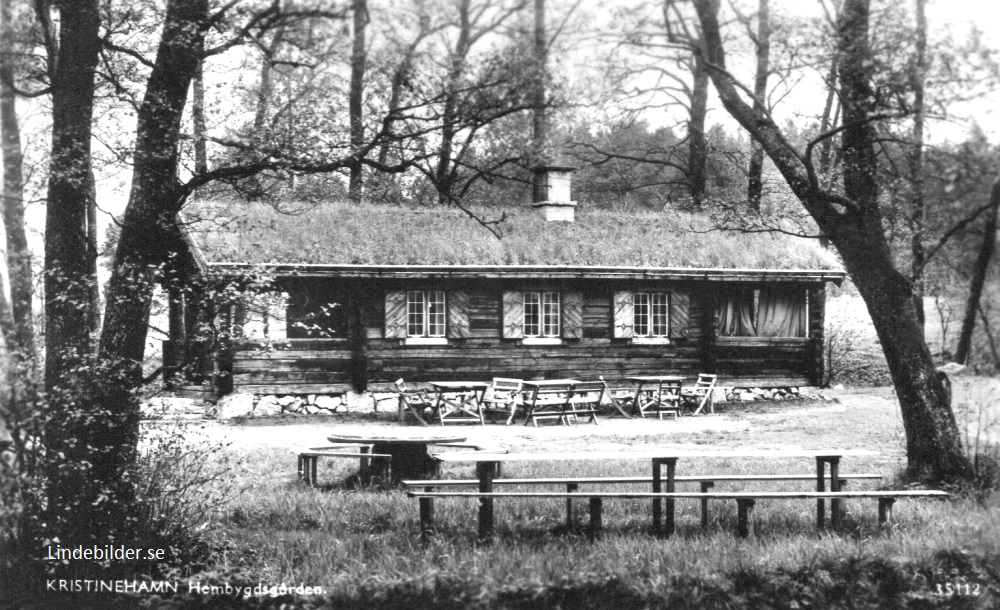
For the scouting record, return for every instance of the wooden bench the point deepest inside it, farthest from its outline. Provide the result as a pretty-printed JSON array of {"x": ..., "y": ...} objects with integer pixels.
[
  {"x": 309, "y": 457},
  {"x": 572, "y": 484},
  {"x": 745, "y": 502}
]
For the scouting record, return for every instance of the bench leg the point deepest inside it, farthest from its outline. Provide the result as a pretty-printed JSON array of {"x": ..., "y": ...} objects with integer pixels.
[
  {"x": 821, "y": 487},
  {"x": 570, "y": 488},
  {"x": 835, "y": 486},
  {"x": 485, "y": 471},
  {"x": 885, "y": 513},
  {"x": 705, "y": 486},
  {"x": 596, "y": 506},
  {"x": 299, "y": 470},
  {"x": 426, "y": 519},
  {"x": 743, "y": 508}
]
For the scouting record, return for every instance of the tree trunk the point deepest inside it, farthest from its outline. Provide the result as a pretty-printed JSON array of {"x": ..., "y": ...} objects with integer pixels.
[
  {"x": 198, "y": 120},
  {"x": 22, "y": 338},
  {"x": 148, "y": 237},
  {"x": 356, "y": 97},
  {"x": 697, "y": 144},
  {"x": 755, "y": 182},
  {"x": 539, "y": 122},
  {"x": 67, "y": 281},
  {"x": 445, "y": 175},
  {"x": 978, "y": 281},
  {"x": 854, "y": 224},
  {"x": 915, "y": 161},
  {"x": 94, "y": 289}
]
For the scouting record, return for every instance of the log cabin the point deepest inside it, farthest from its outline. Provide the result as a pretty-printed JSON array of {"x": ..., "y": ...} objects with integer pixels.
[{"x": 325, "y": 298}]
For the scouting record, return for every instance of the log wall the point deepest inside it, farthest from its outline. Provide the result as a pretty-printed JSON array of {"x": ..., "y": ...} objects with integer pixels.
[{"x": 300, "y": 366}]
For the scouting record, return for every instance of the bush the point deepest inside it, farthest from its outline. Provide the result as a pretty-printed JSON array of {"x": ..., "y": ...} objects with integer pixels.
[{"x": 183, "y": 479}]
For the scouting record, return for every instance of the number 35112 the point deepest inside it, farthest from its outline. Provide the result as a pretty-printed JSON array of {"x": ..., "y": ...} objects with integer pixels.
[{"x": 958, "y": 588}]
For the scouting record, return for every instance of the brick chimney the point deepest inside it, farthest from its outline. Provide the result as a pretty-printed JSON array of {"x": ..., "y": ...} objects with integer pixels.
[{"x": 551, "y": 194}]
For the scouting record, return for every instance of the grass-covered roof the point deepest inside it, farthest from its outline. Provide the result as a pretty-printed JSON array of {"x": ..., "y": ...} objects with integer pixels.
[{"x": 341, "y": 233}]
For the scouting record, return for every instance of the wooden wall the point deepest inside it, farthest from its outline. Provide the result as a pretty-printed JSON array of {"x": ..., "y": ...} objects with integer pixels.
[{"x": 299, "y": 366}]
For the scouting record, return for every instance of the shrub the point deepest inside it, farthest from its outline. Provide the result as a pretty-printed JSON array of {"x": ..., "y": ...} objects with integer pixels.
[{"x": 183, "y": 479}]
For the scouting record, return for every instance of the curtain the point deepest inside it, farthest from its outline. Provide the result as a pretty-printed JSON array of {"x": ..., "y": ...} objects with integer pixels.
[
  {"x": 781, "y": 312},
  {"x": 736, "y": 313}
]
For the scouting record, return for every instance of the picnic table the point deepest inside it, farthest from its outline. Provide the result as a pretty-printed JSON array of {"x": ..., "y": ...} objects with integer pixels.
[
  {"x": 406, "y": 451},
  {"x": 459, "y": 401},
  {"x": 487, "y": 465},
  {"x": 547, "y": 398},
  {"x": 657, "y": 394}
]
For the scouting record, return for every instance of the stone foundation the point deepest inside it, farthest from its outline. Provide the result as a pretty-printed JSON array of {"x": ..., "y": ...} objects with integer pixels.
[{"x": 270, "y": 405}]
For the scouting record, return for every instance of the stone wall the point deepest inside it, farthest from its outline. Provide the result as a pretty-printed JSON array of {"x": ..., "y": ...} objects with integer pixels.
[{"x": 270, "y": 405}]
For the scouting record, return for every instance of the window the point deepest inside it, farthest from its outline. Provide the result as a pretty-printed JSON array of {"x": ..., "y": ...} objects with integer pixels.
[
  {"x": 650, "y": 313},
  {"x": 541, "y": 314},
  {"x": 771, "y": 311},
  {"x": 425, "y": 313}
]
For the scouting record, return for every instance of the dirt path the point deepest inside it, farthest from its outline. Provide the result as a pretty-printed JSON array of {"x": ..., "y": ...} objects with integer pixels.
[{"x": 850, "y": 419}]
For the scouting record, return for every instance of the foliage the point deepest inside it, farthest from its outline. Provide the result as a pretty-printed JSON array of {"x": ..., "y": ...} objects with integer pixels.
[
  {"x": 853, "y": 356},
  {"x": 184, "y": 479},
  {"x": 334, "y": 232}
]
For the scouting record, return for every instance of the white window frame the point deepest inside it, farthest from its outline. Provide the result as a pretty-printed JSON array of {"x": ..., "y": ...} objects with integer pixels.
[
  {"x": 433, "y": 325},
  {"x": 547, "y": 308},
  {"x": 646, "y": 308}
]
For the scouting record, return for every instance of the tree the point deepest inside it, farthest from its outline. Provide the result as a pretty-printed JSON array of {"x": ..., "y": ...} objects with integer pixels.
[
  {"x": 18, "y": 254},
  {"x": 853, "y": 223},
  {"x": 359, "y": 58},
  {"x": 978, "y": 280},
  {"x": 755, "y": 184}
]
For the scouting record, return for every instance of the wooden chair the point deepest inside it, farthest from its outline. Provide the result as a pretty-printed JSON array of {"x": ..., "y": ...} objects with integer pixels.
[
  {"x": 413, "y": 400},
  {"x": 701, "y": 394},
  {"x": 618, "y": 397},
  {"x": 663, "y": 397},
  {"x": 503, "y": 397}
]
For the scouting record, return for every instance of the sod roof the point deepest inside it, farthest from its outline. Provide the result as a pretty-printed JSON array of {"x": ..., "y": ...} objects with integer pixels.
[{"x": 339, "y": 233}]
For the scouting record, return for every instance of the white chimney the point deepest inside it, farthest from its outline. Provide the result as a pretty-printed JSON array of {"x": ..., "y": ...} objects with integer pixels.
[{"x": 551, "y": 194}]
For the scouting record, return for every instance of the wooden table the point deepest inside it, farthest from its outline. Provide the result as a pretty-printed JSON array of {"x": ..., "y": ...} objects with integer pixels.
[
  {"x": 537, "y": 405},
  {"x": 488, "y": 464},
  {"x": 407, "y": 454},
  {"x": 669, "y": 385},
  {"x": 459, "y": 401}
]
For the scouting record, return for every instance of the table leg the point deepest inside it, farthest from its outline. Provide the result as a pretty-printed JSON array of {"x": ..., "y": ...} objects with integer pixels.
[
  {"x": 658, "y": 504},
  {"x": 671, "y": 471},
  {"x": 426, "y": 518},
  {"x": 485, "y": 472}
]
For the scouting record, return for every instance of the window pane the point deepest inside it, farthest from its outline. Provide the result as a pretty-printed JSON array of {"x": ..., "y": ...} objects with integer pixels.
[
  {"x": 550, "y": 311},
  {"x": 415, "y": 313},
  {"x": 435, "y": 314},
  {"x": 659, "y": 314},
  {"x": 640, "y": 314},
  {"x": 532, "y": 314}
]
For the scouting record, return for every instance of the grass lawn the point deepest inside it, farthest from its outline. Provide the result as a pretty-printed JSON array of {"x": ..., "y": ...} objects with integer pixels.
[{"x": 363, "y": 548}]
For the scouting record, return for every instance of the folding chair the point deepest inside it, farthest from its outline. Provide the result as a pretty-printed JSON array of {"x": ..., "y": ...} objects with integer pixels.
[
  {"x": 413, "y": 400},
  {"x": 701, "y": 394},
  {"x": 503, "y": 397}
]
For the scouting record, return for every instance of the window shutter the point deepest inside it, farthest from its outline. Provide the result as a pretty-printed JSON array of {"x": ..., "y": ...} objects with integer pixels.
[
  {"x": 395, "y": 314},
  {"x": 679, "y": 305},
  {"x": 458, "y": 314},
  {"x": 623, "y": 317},
  {"x": 572, "y": 315},
  {"x": 513, "y": 315}
]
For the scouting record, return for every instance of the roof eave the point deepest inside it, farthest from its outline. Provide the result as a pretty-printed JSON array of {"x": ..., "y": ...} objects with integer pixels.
[{"x": 222, "y": 270}]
